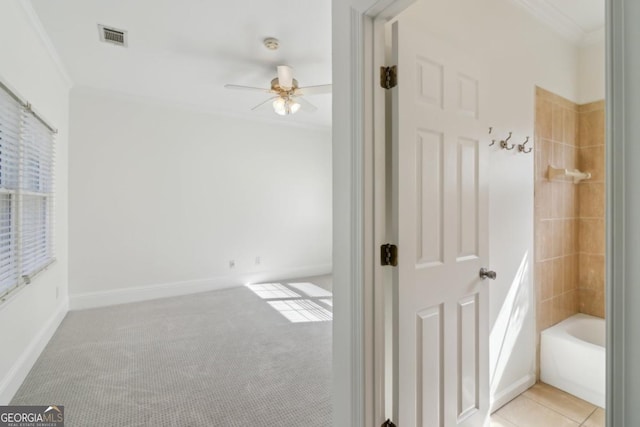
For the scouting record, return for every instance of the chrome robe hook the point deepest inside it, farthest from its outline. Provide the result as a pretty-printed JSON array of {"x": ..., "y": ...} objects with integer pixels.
[
  {"x": 505, "y": 143},
  {"x": 523, "y": 149}
]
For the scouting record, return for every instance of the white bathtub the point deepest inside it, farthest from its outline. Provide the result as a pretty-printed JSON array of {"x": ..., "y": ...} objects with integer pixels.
[{"x": 572, "y": 357}]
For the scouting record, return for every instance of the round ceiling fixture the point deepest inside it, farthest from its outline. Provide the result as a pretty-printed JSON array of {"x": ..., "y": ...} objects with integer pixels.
[{"x": 271, "y": 43}]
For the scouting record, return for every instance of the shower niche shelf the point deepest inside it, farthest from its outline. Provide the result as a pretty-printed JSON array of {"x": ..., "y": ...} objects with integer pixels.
[{"x": 553, "y": 173}]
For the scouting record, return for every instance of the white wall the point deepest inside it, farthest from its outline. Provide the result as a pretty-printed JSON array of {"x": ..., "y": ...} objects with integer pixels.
[
  {"x": 521, "y": 53},
  {"x": 161, "y": 199},
  {"x": 591, "y": 72},
  {"x": 30, "y": 317}
]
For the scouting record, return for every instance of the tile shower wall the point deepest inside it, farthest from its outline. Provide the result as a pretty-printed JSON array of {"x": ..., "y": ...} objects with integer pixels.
[
  {"x": 591, "y": 208},
  {"x": 556, "y": 210},
  {"x": 569, "y": 218}
]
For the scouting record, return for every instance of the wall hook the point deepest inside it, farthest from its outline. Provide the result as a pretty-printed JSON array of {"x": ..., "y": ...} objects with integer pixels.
[
  {"x": 493, "y": 141},
  {"x": 523, "y": 149},
  {"x": 505, "y": 143}
]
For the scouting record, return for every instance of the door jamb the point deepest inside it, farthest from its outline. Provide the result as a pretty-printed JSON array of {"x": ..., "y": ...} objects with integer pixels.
[{"x": 358, "y": 388}]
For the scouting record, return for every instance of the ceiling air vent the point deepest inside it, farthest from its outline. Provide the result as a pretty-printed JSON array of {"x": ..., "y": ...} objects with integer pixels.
[{"x": 113, "y": 35}]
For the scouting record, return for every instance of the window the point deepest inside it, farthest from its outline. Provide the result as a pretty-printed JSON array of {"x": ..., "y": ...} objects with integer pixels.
[{"x": 26, "y": 193}]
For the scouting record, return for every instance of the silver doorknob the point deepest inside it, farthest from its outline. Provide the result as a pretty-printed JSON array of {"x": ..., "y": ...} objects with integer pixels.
[{"x": 487, "y": 274}]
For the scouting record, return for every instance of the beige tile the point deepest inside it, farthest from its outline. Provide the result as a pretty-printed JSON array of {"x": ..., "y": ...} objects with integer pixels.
[
  {"x": 558, "y": 276},
  {"x": 557, "y": 123},
  {"x": 570, "y": 303},
  {"x": 542, "y": 199},
  {"x": 525, "y": 412},
  {"x": 591, "y": 236},
  {"x": 570, "y": 273},
  {"x": 597, "y": 419},
  {"x": 545, "y": 156},
  {"x": 592, "y": 160},
  {"x": 546, "y": 314},
  {"x": 545, "y": 279},
  {"x": 585, "y": 300},
  {"x": 570, "y": 406},
  {"x": 591, "y": 199},
  {"x": 565, "y": 229},
  {"x": 498, "y": 421},
  {"x": 591, "y": 128},
  {"x": 592, "y": 302},
  {"x": 569, "y": 200},
  {"x": 592, "y": 106},
  {"x": 557, "y": 154},
  {"x": 557, "y": 237},
  {"x": 570, "y": 127},
  {"x": 591, "y": 271},
  {"x": 557, "y": 310},
  {"x": 557, "y": 200},
  {"x": 571, "y": 237},
  {"x": 543, "y": 119},
  {"x": 574, "y": 197},
  {"x": 570, "y": 157},
  {"x": 544, "y": 241}
]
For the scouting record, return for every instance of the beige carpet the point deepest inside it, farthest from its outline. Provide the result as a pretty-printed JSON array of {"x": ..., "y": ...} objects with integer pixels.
[{"x": 225, "y": 358}]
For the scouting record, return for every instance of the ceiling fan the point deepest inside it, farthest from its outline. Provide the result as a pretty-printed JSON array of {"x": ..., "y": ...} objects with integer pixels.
[{"x": 288, "y": 97}]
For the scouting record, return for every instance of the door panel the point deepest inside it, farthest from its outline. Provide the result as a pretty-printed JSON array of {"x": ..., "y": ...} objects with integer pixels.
[
  {"x": 430, "y": 372},
  {"x": 439, "y": 218},
  {"x": 429, "y": 186}
]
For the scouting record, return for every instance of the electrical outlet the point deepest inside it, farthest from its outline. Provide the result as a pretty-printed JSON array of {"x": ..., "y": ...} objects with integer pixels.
[
  {"x": 232, "y": 264},
  {"x": 258, "y": 260}
]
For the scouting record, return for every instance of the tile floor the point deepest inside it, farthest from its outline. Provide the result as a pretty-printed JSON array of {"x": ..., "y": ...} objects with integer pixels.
[{"x": 546, "y": 406}]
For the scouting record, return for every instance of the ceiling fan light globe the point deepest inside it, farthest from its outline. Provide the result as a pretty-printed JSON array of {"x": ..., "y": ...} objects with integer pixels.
[
  {"x": 280, "y": 107},
  {"x": 294, "y": 107},
  {"x": 285, "y": 106}
]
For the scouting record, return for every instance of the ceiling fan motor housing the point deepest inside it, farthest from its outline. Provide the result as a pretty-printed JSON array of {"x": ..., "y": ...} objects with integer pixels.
[{"x": 275, "y": 86}]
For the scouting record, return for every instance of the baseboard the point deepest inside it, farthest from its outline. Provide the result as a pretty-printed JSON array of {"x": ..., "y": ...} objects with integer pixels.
[
  {"x": 513, "y": 391},
  {"x": 165, "y": 290},
  {"x": 10, "y": 384}
]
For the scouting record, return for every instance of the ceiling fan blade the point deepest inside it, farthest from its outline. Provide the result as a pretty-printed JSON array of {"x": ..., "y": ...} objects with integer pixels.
[
  {"x": 249, "y": 88},
  {"x": 285, "y": 77},
  {"x": 314, "y": 90},
  {"x": 264, "y": 103},
  {"x": 306, "y": 105}
]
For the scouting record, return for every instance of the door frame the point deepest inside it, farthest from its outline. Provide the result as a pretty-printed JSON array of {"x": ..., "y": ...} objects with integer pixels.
[
  {"x": 358, "y": 212},
  {"x": 358, "y": 380}
]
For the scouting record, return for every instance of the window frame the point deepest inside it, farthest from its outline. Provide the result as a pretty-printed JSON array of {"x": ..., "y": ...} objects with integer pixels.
[{"x": 31, "y": 194}]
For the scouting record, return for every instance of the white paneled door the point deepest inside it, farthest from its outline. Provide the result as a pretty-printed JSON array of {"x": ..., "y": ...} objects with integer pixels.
[{"x": 440, "y": 196}]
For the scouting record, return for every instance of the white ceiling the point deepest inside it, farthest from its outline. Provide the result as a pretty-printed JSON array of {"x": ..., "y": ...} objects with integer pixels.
[
  {"x": 185, "y": 51},
  {"x": 581, "y": 21},
  {"x": 587, "y": 14}
]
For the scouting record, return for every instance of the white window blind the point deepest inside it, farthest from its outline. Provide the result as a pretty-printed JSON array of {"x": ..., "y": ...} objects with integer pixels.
[
  {"x": 10, "y": 125},
  {"x": 26, "y": 193},
  {"x": 36, "y": 196}
]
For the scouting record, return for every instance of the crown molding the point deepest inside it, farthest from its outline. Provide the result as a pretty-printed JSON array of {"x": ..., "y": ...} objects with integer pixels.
[
  {"x": 34, "y": 19},
  {"x": 564, "y": 26}
]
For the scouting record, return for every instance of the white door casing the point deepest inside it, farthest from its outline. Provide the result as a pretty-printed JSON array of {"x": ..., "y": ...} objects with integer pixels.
[{"x": 440, "y": 221}]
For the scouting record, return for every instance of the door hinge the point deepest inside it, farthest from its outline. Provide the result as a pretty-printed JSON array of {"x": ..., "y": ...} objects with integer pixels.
[
  {"x": 388, "y": 423},
  {"x": 389, "y": 254},
  {"x": 388, "y": 77}
]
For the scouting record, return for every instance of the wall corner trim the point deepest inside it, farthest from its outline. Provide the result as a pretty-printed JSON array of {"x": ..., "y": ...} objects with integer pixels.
[
  {"x": 27, "y": 6},
  {"x": 12, "y": 381}
]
